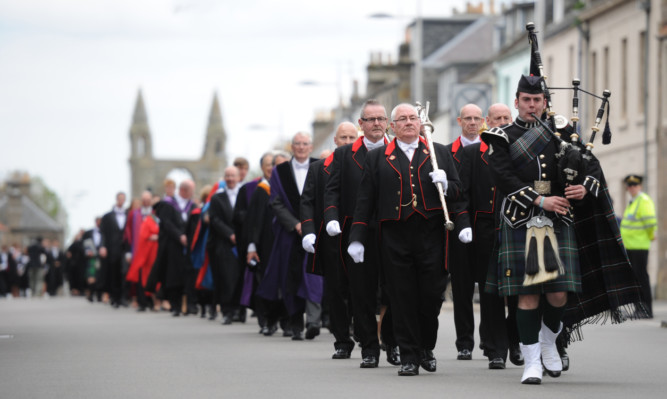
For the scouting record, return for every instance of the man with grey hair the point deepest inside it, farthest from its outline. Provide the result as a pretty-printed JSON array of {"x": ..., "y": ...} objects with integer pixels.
[
  {"x": 398, "y": 189},
  {"x": 318, "y": 243},
  {"x": 363, "y": 279},
  {"x": 285, "y": 277}
]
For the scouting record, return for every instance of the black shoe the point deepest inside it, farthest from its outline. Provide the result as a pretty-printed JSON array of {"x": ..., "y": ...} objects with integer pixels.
[
  {"x": 532, "y": 381},
  {"x": 341, "y": 354},
  {"x": 516, "y": 357},
  {"x": 564, "y": 358},
  {"x": 409, "y": 369},
  {"x": 264, "y": 330},
  {"x": 464, "y": 354},
  {"x": 212, "y": 316},
  {"x": 297, "y": 336},
  {"x": 428, "y": 362},
  {"x": 369, "y": 362},
  {"x": 393, "y": 355},
  {"x": 141, "y": 309},
  {"x": 175, "y": 313},
  {"x": 270, "y": 330},
  {"x": 497, "y": 363},
  {"x": 312, "y": 332},
  {"x": 226, "y": 320},
  {"x": 287, "y": 333}
]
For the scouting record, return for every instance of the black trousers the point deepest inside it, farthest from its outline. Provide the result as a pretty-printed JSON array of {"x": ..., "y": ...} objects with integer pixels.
[
  {"x": 364, "y": 280},
  {"x": 337, "y": 290},
  {"x": 413, "y": 255},
  {"x": 639, "y": 261}
]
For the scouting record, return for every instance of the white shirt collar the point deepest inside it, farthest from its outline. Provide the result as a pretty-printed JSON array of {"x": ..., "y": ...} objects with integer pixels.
[
  {"x": 466, "y": 142},
  {"x": 371, "y": 145}
]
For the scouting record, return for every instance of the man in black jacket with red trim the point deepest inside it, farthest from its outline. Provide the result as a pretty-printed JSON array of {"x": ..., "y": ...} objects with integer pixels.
[{"x": 398, "y": 186}]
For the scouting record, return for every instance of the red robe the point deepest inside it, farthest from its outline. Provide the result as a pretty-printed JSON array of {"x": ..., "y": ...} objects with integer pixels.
[{"x": 145, "y": 252}]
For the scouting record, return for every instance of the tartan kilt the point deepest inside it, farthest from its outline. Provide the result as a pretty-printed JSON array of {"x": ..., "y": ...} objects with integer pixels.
[{"x": 507, "y": 264}]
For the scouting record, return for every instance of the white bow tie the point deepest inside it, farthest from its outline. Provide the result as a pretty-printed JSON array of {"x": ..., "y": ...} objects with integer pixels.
[{"x": 301, "y": 166}]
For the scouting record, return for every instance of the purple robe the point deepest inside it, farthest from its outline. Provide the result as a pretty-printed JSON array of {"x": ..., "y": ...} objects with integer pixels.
[{"x": 285, "y": 277}]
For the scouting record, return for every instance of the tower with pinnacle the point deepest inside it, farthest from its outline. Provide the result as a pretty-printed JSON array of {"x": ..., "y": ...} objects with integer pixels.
[{"x": 149, "y": 173}]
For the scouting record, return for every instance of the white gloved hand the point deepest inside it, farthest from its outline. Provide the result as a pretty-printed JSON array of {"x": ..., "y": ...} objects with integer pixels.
[
  {"x": 465, "y": 236},
  {"x": 308, "y": 243},
  {"x": 439, "y": 176},
  {"x": 356, "y": 251},
  {"x": 333, "y": 228}
]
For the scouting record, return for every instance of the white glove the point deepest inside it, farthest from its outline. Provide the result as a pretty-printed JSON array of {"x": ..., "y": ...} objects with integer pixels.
[
  {"x": 333, "y": 228},
  {"x": 465, "y": 236},
  {"x": 439, "y": 176},
  {"x": 308, "y": 243},
  {"x": 356, "y": 251}
]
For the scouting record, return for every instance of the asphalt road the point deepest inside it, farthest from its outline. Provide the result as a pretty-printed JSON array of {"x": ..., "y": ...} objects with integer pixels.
[{"x": 68, "y": 348}]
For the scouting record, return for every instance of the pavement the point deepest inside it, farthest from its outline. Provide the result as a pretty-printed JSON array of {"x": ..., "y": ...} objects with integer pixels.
[{"x": 65, "y": 347}]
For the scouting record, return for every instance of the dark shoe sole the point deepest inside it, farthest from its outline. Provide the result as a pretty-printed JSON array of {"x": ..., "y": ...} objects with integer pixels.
[{"x": 532, "y": 381}]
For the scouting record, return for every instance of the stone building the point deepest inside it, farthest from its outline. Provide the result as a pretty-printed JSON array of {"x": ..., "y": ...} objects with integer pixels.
[
  {"x": 149, "y": 173},
  {"x": 21, "y": 219}
]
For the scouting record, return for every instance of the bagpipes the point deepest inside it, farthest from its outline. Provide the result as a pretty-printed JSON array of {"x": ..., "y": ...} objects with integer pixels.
[{"x": 574, "y": 159}]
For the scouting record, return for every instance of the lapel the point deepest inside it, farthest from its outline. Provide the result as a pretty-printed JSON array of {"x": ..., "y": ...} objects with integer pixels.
[
  {"x": 391, "y": 153},
  {"x": 484, "y": 155},
  {"x": 456, "y": 146},
  {"x": 421, "y": 154},
  {"x": 359, "y": 152},
  {"x": 327, "y": 163}
]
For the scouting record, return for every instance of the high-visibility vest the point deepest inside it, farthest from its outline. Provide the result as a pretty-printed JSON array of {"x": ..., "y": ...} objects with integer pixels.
[{"x": 639, "y": 223}]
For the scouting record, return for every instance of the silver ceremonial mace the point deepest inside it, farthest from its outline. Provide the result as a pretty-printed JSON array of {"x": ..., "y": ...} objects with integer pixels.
[{"x": 428, "y": 129}]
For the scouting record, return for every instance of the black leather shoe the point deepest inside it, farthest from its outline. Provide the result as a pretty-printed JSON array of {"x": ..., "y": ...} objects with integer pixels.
[
  {"x": 226, "y": 320},
  {"x": 516, "y": 357},
  {"x": 297, "y": 336},
  {"x": 428, "y": 362},
  {"x": 287, "y": 333},
  {"x": 312, "y": 332},
  {"x": 564, "y": 358},
  {"x": 464, "y": 354},
  {"x": 393, "y": 355},
  {"x": 212, "y": 316},
  {"x": 341, "y": 354},
  {"x": 409, "y": 369},
  {"x": 264, "y": 330},
  {"x": 369, "y": 362},
  {"x": 497, "y": 363},
  {"x": 272, "y": 330}
]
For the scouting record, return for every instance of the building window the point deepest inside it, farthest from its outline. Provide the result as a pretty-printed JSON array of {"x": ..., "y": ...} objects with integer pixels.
[
  {"x": 643, "y": 62},
  {"x": 141, "y": 147},
  {"x": 605, "y": 73},
  {"x": 624, "y": 78}
]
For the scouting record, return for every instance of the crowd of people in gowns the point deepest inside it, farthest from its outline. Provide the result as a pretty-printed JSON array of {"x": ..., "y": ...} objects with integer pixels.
[{"x": 355, "y": 242}]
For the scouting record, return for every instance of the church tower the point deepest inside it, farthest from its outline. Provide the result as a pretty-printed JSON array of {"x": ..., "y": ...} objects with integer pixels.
[
  {"x": 214, "y": 145},
  {"x": 140, "y": 135},
  {"x": 141, "y": 151}
]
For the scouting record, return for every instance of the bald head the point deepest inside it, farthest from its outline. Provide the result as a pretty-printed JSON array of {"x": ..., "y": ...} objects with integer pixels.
[
  {"x": 346, "y": 133},
  {"x": 470, "y": 119},
  {"x": 231, "y": 176},
  {"x": 146, "y": 198},
  {"x": 499, "y": 114}
]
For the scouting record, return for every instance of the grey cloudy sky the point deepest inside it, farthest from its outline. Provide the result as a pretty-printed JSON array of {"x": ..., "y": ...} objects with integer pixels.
[{"x": 70, "y": 71}]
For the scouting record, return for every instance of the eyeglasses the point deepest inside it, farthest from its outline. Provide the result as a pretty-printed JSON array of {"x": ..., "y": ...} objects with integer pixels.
[
  {"x": 379, "y": 119},
  {"x": 469, "y": 119},
  {"x": 405, "y": 119}
]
